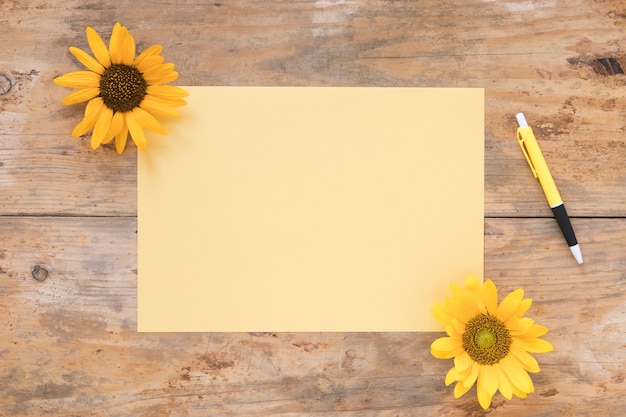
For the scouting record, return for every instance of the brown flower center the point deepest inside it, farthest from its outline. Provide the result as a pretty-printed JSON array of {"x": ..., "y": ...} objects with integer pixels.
[
  {"x": 486, "y": 339},
  {"x": 122, "y": 87}
]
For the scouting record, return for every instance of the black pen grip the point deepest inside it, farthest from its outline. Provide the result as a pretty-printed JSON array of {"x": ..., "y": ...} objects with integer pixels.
[{"x": 564, "y": 223}]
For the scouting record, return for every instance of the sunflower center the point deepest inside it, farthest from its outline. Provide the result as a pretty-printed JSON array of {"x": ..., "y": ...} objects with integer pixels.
[
  {"x": 486, "y": 339},
  {"x": 122, "y": 87}
]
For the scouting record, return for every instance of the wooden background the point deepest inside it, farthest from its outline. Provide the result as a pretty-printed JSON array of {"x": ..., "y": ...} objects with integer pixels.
[{"x": 68, "y": 268}]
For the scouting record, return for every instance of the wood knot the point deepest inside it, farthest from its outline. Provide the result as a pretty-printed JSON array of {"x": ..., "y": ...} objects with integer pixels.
[
  {"x": 602, "y": 66},
  {"x": 549, "y": 393},
  {"x": 606, "y": 66},
  {"x": 39, "y": 273}
]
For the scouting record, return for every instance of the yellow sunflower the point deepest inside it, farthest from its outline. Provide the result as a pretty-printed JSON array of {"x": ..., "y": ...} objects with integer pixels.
[
  {"x": 490, "y": 342},
  {"x": 123, "y": 91}
]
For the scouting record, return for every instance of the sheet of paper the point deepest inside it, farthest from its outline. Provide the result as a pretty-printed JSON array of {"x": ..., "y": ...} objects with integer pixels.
[{"x": 310, "y": 209}]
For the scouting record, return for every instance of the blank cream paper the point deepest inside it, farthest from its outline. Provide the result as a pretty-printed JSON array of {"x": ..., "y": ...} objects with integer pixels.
[{"x": 310, "y": 209}]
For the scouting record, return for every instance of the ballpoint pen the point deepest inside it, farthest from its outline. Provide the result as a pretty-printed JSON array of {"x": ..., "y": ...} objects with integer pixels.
[{"x": 538, "y": 166}]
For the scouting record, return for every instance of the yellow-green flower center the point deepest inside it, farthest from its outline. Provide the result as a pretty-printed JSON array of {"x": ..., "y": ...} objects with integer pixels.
[
  {"x": 122, "y": 87},
  {"x": 486, "y": 339}
]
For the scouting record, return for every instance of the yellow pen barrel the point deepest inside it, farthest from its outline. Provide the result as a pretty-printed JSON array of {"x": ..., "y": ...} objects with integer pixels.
[{"x": 531, "y": 149}]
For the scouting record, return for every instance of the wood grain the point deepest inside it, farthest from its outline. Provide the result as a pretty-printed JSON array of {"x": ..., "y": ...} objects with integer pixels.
[{"x": 68, "y": 340}]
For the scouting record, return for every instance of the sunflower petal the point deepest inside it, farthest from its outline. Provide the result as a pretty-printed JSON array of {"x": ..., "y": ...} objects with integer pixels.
[
  {"x": 462, "y": 362},
  {"x": 151, "y": 51},
  {"x": 518, "y": 392},
  {"x": 464, "y": 308},
  {"x": 160, "y": 74},
  {"x": 490, "y": 297},
  {"x": 510, "y": 305},
  {"x": 484, "y": 399},
  {"x": 120, "y": 140},
  {"x": 536, "y": 330},
  {"x": 451, "y": 332},
  {"x": 472, "y": 375},
  {"x": 488, "y": 379},
  {"x": 459, "y": 328},
  {"x": 102, "y": 126},
  {"x": 166, "y": 91},
  {"x": 158, "y": 69},
  {"x": 98, "y": 47},
  {"x": 460, "y": 390},
  {"x": 128, "y": 48},
  {"x": 79, "y": 79},
  {"x": 516, "y": 374},
  {"x": 518, "y": 326},
  {"x": 87, "y": 60},
  {"x": 527, "y": 360},
  {"x": 439, "y": 311},
  {"x": 148, "y": 63},
  {"x": 81, "y": 95},
  {"x": 148, "y": 121},
  {"x": 451, "y": 376},
  {"x": 444, "y": 347},
  {"x": 487, "y": 385},
  {"x": 530, "y": 381},
  {"x": 117, "y": 123},
  {"x": 474, "y": 288},
  {"x": 170, "y": 102},
  {"x": 472, "y": 284},
  {"x": 504, "y": 385},
  {"x": 115, "y": 43},
  {"x": 136, "y": 131},
  {"x": 113, "y": 40},
  {"x": 455, "y": 289},
  {"x": 156, "y": 107},
  {"x": 92, "y": 111},
  {"x": 524, "y": 307},
  {"x": 535, "y": 345}
]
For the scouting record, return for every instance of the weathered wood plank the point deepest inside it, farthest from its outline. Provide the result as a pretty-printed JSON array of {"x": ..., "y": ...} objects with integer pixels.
[
  {"x": 535, "y": 57},
  {"x": 68, "y": 343}
]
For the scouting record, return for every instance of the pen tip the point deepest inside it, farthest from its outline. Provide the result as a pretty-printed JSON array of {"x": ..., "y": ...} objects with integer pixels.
[{"x": 577, "y": 253}]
